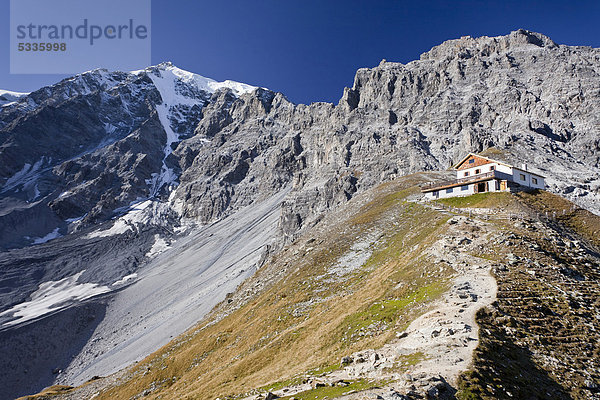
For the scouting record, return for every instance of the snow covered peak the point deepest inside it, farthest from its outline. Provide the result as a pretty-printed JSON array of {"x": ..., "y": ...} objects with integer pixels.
[
  {"x": 7, "y": 96},
  {"x": 167, "y": 71},
  {"x": 182, "y": 93},
  {"x": 15, "y": 95}
]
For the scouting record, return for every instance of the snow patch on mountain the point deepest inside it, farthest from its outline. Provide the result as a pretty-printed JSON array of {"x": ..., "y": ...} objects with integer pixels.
[
  {"x": 27, "y": 174},
  {"x": 172, "y": 73},
  {"x": 172, "y": 84},
  {"x": 36, "y": 192},
  {"x": 10, "y": 93},
  {"x": 125, "y": 279},
  {"x": 110, "y": 128},
  {"x": 210, "y": 85},
  {"x": 165, "y": 82},
  {"x": 143, "y": 213},
  {"x": 75, "y": 220},
  {"x": 99, "y": 79},
  {"x": 136, "y": 215},
  {"x": 166, "y": 176},
  {"x": 52, "y": 296},
  {"x": 52, "y": 235},
  {"x": 158, "y": 247}
]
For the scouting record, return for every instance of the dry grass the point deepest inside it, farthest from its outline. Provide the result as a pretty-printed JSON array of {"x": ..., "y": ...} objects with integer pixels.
[
  {"x": 48, "y": 393},
  {"x": 332, "y": 392},
  {"x": 494, "y": 152},
  {"x": 307, "y": 320},
  {"x": 577, "y": 219}
]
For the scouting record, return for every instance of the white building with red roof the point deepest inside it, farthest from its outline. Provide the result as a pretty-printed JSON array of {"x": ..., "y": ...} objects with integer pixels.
[{"x": 479, "y": 174}]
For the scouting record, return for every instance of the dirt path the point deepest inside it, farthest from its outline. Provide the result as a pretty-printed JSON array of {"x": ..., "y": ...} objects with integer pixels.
[{"x": 437, "y": 346}]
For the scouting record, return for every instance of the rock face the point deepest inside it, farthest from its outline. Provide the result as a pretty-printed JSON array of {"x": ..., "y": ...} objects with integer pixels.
[
  {"x": 521, "y": 92},
  {"x": 92, "y": 143},
  {"x": 146, "y": 153}
]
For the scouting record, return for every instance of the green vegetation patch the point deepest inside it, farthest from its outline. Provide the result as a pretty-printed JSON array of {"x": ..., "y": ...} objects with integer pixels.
[
  {"x": 332, "y": 392},
  {"x": 323, "y": 370},
  {"x": 411, "y": 359},
  {"x": 382, "y": 315},
  {"x": 405, "y": 361},
  {"x": 416, "y": 224},
  {"x": 479, "y": 200},
  {"x": 299, "y": 379}
]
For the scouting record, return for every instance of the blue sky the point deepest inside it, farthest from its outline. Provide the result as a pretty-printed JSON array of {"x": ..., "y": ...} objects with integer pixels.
[{"x": 310, "y": 50}]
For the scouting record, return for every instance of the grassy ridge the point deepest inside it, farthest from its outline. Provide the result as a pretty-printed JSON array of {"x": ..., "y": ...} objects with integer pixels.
[
  {"x": 565, "y": 212},
  {"x": 540, "y": 339},
  {"x": 480, "y": 200}
]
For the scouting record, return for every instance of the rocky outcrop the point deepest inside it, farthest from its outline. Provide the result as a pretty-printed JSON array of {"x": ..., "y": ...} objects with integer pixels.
[{"x": 522, "y": 93}]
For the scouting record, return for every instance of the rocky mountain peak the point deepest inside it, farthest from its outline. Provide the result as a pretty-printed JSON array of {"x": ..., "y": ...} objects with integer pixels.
[{"x": 467, "y": 46}]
